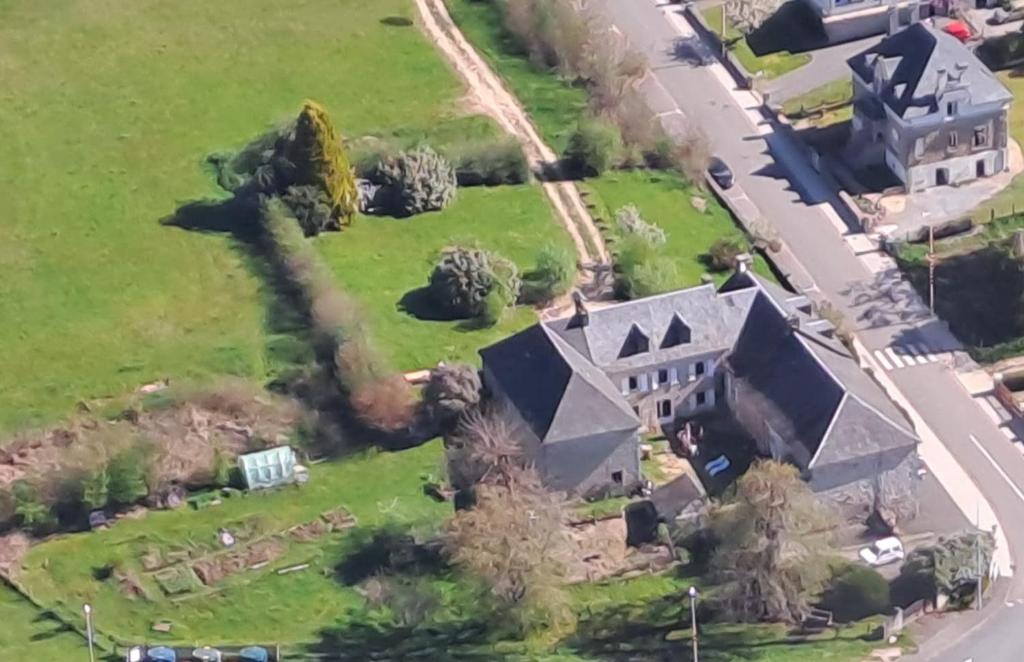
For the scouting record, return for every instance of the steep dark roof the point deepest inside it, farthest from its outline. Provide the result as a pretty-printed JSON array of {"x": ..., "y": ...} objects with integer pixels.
[
  {"x": 914, "y": 59},
  {"x": 791, "y": 390},
  {"x": 714, "y": 320},
  {"x": 558, "y": 393}
]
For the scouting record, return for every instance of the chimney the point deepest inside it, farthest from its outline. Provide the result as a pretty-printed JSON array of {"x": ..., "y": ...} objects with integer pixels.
[
  {"x": 894, "y": 20},
  {"x": 941, "y": 81},
  {"x": 793, "y": 320},
  {"x": 743, "y": 262},
  {"x": 581, "y": 317}
]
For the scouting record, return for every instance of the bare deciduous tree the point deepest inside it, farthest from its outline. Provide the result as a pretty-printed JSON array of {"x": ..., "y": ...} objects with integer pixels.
[
  {"x": 748, "y": 15},
  {"x": 691, "y": 155},
  {"x": 515, "y": 540},
  {"x": 486, "y": 448},
  {"x": 773, "y": 536}
]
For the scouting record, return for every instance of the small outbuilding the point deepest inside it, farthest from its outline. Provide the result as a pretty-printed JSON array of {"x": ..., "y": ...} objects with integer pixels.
[{"x": 270, "y": 468}]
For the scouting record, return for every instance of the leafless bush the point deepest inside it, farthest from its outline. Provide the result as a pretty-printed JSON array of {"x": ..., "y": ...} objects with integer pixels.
[
  {"x": 691, "y": 156},
  {"x": 387, "y": 404},
  {"x": 488, "y": 447},
  {"x": 515, "y": 539},
  {"x": 639, "y": 126}
]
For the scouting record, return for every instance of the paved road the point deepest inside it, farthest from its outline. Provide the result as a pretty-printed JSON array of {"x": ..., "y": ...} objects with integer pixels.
[
  {"x": 826, "y": 65},
  {"x": 888, "y": 316}
]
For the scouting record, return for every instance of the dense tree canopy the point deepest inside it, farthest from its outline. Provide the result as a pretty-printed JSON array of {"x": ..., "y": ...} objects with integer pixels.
[{"x": 319, "y": 159}]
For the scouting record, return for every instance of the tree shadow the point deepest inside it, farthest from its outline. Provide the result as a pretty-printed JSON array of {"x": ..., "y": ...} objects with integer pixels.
[
  {"x": 469, "y": 640},
  {"x": 794, "y": 28},
  {"x": 389, "y": 548},
  {"x": 420, "y": 304}
]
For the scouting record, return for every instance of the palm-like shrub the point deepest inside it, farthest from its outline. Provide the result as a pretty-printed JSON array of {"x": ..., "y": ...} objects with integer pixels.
[
  {"x": 417, "y": 181},
  {"x": 462, "y": 280},
  {"x": 467, "y": 282}
]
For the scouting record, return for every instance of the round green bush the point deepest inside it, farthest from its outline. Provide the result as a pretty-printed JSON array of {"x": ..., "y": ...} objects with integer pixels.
[
  {"x": 856, "y": 592},
  {"x": 593, "y": 148}
]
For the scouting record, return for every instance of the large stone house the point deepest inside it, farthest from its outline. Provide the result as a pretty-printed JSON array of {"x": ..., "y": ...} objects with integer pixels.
[
  {"x": 585, "y": 388},
  {"x": 927, "y": 107},
  {"x": 845, "y": 20}
]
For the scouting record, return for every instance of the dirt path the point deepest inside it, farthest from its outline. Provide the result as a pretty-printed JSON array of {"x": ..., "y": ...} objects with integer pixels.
[{"x": 490, "y": 95}]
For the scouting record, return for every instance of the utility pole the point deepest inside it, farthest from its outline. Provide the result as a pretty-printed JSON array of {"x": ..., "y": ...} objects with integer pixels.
[
  {"x": 693, "y": 621},
  {"x": 931, "y": 268},
  {"x": 88, "y": 631}
]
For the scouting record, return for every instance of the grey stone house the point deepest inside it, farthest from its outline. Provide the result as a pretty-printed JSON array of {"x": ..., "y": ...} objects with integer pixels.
[
  {"x": 587, "y": 386},
  {"x": 929, "y": 109},
  {"x": 845, "y": 20}
]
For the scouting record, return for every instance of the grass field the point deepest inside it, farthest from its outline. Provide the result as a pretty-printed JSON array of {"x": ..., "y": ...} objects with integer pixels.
[
  {"x": 109, "y": 109},
  {"x": 664, "y": 199},
  {"x": 769, "y": 66},
  {"x": 555, "y": 107},
  {"x": 833, "y": 98},
  {"x": 384, "y": 261},
  {"x": 27, "y": 635},
  {"x": 376, "y": 488}
]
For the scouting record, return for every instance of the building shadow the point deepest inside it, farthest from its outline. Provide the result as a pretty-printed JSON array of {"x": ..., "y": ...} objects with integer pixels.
[{"x": 794, "y": 27}]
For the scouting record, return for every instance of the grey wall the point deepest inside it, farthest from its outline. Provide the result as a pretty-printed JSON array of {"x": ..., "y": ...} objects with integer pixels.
[{"x": 585, "y": 465}]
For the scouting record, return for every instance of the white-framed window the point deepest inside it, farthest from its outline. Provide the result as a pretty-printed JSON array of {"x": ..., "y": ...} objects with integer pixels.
[
  {"x": 951, "y": 108},
  {"x": 702, "y": 398},
  {"x": 634, "y": 383},
  {"x": 664, "y": 408},
  {"x": 980, "y": 136},
  {"x": 699, "y": 368},
  {"x": 663, "y": 376},
  {"x": 673, "y": 376},
  {"x": 642, "y": 378},
  {"x": 953, "y": 138}
]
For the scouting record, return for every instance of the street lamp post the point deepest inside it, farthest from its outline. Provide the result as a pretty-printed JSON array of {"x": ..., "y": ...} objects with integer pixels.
[
  {"x": 693, "y": 620},
  {"x": 88, "y": 631}
]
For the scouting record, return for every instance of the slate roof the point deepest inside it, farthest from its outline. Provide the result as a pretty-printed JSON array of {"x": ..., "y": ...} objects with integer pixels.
[
  {"x": 803, "y": 382},
  {"x": 714, "y": 320},
  {"x": 914, "y": 59},
  {"x": 558, "y": 392},
  {"x": 787, "y": 386}
]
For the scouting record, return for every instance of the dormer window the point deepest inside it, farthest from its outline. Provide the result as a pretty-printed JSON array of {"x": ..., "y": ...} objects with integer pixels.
[
  {"x": 951, "y": 108},
  {"x": 678, "y": 333},
  {"x": 637, "y": 342}
]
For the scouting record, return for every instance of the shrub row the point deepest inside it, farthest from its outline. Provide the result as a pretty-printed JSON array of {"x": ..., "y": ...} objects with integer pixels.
[
  {"x": 377, "y": 394},
  {"x": 485, "y": 162}
]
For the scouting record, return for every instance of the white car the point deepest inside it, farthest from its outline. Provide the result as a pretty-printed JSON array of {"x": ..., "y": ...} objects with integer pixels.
[{"x": 883, "y": 552}]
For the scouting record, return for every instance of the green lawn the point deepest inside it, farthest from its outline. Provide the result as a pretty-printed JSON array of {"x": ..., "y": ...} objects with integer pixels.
[
  {"x": 664, "y": 199},
  {"x": 769, "y": 66},
  {"x": 376, "y": 488},
  {"x": 27, "y": 635},
  {"x": 555, "y": 106},
  {"x": 108, "y": 109},
  {"x": 381, "y": 260}
]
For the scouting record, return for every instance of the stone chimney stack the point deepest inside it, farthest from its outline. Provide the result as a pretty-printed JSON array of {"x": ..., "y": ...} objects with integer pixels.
[
  {"x": 743, "y": 263},
  {"x": 894, "y": 20}
]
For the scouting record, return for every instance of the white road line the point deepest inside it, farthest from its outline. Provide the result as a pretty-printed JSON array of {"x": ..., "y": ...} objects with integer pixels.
[
  {"x": 881, "y": 359},
  {"x": 894, "y": 357},
  {"x": 925, "y": 351},
  {"x": 916, "y": 353},
  {"x": 999, "y": 469}
]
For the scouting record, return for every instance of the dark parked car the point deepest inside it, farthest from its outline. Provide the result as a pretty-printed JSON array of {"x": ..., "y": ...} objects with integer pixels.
[{"x": 720, "y": 172}]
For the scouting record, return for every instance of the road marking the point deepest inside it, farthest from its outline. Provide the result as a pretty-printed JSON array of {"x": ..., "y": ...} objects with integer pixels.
[
  {"x": 923, "y": 350},
  {"x": 894, "y": 357},
  {"x": 881, "y": 359},
  {"x": 915, "y": 353},
  {"x": 999, "y": 469}
]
